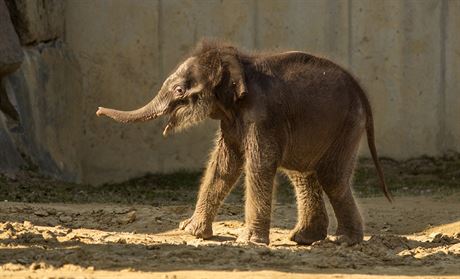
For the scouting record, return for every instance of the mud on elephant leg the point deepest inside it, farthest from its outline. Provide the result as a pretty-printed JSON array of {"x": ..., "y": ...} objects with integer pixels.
[
  {"x": 312, "y": 216},
  {"x": 222, "y": 172}
]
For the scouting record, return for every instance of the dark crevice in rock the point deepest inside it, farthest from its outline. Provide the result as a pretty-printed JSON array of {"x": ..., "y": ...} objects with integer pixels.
[
  {"x": 5, "y": 105},
  {"x": 54, "y": 42}
]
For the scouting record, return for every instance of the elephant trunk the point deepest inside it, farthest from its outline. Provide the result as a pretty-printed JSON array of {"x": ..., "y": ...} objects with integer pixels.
[{"x": 147, "y": 112}]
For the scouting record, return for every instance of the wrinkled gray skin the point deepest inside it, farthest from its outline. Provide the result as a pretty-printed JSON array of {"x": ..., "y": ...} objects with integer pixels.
[{"x": 286, "y": 111}]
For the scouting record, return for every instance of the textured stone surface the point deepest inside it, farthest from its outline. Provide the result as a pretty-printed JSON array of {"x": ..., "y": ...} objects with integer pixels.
[
  {"x": 117, "y": 53},
  {"x": 396, "y": 55},
  {"x": 450, "y": 85},
  {"x": 10, "y": 158},
  {"x": 10, "y": 49},
  {"x": 37, "y": 21},
  {"x": 319, "y": 27},
  {"x": 128, "y": 75},
  {"x": 5, "y": 104},
  {"x": 47, "y": 91}
]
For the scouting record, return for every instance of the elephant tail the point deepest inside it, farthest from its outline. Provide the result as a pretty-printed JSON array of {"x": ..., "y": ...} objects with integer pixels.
[{"x": 371, "y": 144}]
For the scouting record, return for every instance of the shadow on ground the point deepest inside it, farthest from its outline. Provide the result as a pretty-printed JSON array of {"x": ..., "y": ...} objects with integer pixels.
[
  {"x": 108, "y": 237},
  {"x": 384, "y": 254},
  {"x": 132, "y": 226}
]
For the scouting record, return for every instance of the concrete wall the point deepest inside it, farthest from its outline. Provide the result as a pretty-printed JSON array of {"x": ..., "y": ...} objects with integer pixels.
[{"x": 117, "y": 53}]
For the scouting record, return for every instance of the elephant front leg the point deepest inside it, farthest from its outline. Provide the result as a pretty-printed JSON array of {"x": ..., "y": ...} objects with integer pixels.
[
  {"x": 260, "y": 170},
  {"x": 223, "y": 170},
  {"x": 259, "y": 189}
]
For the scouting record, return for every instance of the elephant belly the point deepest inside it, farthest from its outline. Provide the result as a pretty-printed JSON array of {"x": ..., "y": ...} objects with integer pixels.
[
  {"x": 312, "y": 131},
  {"x": 303, "y": 154}
]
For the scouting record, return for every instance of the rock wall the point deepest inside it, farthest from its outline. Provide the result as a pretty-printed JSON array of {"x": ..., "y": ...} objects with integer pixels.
[
  {"x": 46, "y": 93},
  {"x": 47, "y": 90},
  {"x": 37, "y": 21},
  {"x": 11, "y": 57},
  {"x": 10, "y": 49},
  {"x": 80, "y": 54}
]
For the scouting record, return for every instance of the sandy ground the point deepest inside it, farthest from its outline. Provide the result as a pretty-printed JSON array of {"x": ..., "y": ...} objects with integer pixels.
[{"x": 413, "y": 237}]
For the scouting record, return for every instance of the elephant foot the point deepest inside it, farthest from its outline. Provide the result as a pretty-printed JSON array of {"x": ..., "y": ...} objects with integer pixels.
[
  {"x": 348, "y": 240},
  {"x": 349, "y": 237},
  {"x": 252, "y": 236},
  {"x": 197, "y": 227},
  {"x": 306, "y": 236}
]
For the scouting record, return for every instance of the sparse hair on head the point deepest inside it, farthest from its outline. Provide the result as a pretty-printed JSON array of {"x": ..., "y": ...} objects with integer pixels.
[{"x": 211, "y": 44}]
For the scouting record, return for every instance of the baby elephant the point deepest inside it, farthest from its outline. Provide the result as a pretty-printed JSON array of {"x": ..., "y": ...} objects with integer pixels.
[{"x": 287, "y": 111}]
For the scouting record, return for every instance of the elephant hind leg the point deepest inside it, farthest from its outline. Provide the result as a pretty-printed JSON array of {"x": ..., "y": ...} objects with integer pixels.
[
  {"x": 335, "y": 175},
  {"x": 312, "y": 220}
]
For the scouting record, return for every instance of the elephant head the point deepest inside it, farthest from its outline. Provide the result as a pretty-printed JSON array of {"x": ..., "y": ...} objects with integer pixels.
[{"x": 207, "y": 84}]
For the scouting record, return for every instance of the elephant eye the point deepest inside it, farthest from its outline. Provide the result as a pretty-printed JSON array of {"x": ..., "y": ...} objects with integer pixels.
[{"x": 179, "y": 90}]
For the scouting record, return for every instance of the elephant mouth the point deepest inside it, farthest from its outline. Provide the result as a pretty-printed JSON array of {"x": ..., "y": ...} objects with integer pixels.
[
  {"x": 184, "y": 114},
  {"x": 178, "y": 117},
  {"x": 171, "y": 124}
]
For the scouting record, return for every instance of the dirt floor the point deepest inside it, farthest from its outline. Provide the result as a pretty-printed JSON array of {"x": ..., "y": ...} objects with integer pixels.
[{"x": 130, "y": 230}]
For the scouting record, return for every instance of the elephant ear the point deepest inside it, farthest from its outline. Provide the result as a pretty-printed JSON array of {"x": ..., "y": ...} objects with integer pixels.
[{"x": 236, "y": 74}]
